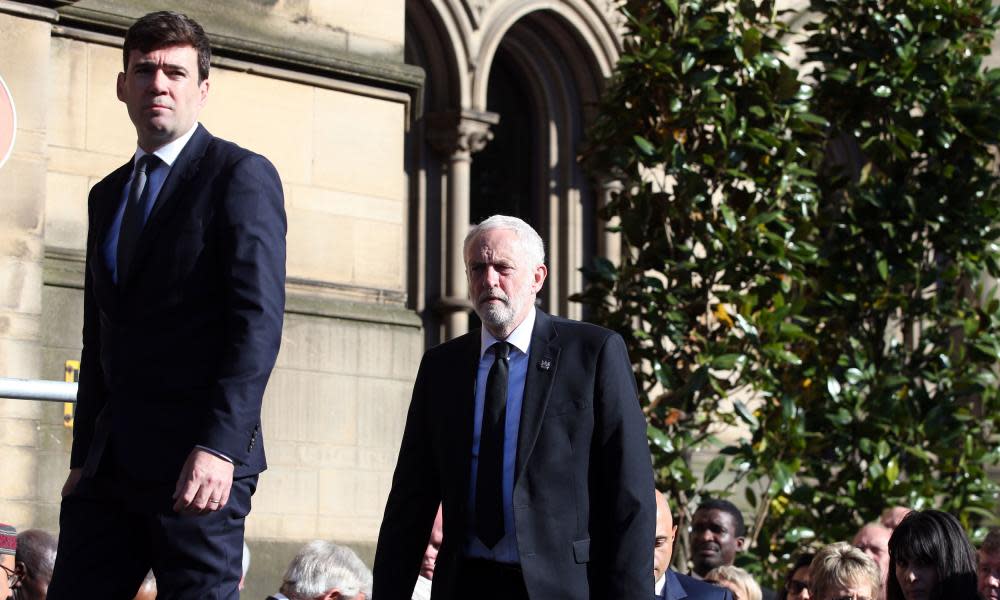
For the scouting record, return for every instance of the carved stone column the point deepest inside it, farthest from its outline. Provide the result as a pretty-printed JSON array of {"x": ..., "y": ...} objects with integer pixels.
[{"x": 456, "y": 135}]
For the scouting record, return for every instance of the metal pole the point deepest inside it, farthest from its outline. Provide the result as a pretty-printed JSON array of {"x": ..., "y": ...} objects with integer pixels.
[{"x": 35, "y": 389}]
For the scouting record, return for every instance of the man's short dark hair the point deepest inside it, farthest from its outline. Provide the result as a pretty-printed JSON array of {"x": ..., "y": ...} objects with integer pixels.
[
  {"x": 727, "y": 507},
  {"x": 991, "y": 545},
  {"x": 166, "y": 28}
]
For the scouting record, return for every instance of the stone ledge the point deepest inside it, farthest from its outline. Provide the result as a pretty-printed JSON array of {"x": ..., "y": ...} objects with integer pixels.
[
  {"x": 26, "y": 10},
  {"x": 241, "y": 36},
  {"x": 64, "y": 267}
]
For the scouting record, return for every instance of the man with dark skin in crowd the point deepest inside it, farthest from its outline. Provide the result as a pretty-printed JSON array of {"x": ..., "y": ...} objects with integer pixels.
[
  {"x": 36, "y": 555},
  {"x": 670, "y": 585},
  {"x": 718, "y": 534}
]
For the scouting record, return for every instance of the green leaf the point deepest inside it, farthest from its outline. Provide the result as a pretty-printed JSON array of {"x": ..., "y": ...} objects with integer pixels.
[
  {"x": 713, "y": 469},
  {"x": 745, "y": 415},
  {"x": 726, "y": 361},
  {"x": 833, "y": 386},
  {"x": 797, "y": 535},
  {"x": 659, "y": 439},
  {"x": 882, "y": 91},
  {"x": 672, "y": 5},
  {"x": 644, "y": 145},
  {"x": 728, "y": 217}
]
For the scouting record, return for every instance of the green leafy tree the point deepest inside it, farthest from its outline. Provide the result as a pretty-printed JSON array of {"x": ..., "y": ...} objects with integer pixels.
[{"x": 805, "y": 262}]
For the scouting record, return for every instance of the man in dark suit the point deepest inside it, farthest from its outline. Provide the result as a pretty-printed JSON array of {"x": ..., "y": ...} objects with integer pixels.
[
  {"x": 183, "y": 307},
  {"x": 671, "y": 585},
  {"x": 530, "y": 434}
]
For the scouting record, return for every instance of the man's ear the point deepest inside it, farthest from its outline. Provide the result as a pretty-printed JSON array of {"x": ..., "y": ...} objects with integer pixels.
[
  {"x": 740, "y": 543},
  {"x": 539, "y": 277},
  {"x": 120, "y": 87}
]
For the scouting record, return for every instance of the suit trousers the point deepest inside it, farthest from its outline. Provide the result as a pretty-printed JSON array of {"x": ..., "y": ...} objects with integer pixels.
[
  {"x": 113, "y": 531},
  {"x": 487, "y": 580}
]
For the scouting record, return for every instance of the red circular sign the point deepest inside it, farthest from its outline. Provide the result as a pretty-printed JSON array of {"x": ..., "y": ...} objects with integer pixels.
[{"x": 8, "y": 122}]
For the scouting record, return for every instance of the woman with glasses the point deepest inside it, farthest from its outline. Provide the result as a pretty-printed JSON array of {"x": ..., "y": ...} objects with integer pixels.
[
  {"x": 797, "y": 583},
  {"x": 842, "y": 572},
  {"x": 931, "y": 558}
]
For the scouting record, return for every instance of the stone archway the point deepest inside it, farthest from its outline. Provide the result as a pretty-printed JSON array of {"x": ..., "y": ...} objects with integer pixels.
[{"x": 558, "y": 53}]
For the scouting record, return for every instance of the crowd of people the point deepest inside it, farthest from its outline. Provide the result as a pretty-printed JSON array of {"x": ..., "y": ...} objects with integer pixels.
[
  {"x": 906, "y": 555},
  {"x": 320, "y": 571}
]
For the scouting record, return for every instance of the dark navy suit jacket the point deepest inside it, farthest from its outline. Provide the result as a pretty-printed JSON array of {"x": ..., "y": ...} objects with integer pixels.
[
  {"x": 682, "y": 586},
  {"x": 583, "y": 501},
  {"x": 178, "y": 353}
]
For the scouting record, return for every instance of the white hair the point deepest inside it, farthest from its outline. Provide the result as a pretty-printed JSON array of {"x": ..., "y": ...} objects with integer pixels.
[
  {"x": 322, "y": 566},
  {"x": 531, "y": 242}
]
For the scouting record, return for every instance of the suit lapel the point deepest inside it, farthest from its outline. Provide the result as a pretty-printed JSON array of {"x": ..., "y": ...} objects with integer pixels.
[
  {"x": 461, "y": 389},
  {"x": 674, "y": 590},
  {"x": 107, "y": 202},
  {"x": 543, "y": 362},
  {"x": 184, "y": 168}
]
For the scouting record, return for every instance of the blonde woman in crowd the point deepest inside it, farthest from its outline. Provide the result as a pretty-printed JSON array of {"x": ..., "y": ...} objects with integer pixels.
[
  {"x": 840, "y": 571},
  {"x": 736, "y": 580}
]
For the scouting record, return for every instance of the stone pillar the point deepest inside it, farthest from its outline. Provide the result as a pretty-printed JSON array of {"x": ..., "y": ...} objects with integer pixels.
[
  {"x": 25, "y": 33},
  {"x": 456, "y": 135}
]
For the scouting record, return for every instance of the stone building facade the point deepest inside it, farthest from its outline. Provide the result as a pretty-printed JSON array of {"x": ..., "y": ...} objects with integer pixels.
[{"x": 394, "y": 124}]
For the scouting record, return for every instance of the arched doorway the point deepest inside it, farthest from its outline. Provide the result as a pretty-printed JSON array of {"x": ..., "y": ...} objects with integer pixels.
[{"x": 502, "y": 136}]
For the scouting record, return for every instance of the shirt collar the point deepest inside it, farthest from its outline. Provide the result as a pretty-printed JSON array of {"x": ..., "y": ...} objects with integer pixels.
[
  {"x": 520, "y": 338},
  {"x": 660, "y": 583},
  {"x": 171, "y": 151}
]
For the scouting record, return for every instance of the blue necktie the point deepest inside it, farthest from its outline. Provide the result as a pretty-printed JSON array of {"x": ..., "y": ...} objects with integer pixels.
[{"x": 136, "y": 212}]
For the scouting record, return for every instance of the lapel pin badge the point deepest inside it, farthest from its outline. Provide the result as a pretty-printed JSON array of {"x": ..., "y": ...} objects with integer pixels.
[{"x": 545, "y": 364}]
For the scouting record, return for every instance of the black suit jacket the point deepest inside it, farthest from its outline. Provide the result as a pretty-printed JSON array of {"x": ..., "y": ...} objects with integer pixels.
[
  {"x": 178, "y": 352},
  {"x": 681, "y": 586},
  {"x": 583, "y": 501}
]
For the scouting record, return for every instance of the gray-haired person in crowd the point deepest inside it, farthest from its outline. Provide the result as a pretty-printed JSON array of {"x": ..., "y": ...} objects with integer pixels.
[
  {"x": 326, "y": 571},
  {"x": 36, "y": 555}
]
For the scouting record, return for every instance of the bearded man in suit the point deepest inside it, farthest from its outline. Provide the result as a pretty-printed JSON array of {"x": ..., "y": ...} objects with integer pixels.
[
  {"x": 183, "y": 307},
  {"x": 530, "y": 435}
]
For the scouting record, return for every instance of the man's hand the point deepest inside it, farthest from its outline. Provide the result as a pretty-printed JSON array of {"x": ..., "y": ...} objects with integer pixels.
[
  {"x": 204, "y": 483},
  {"x": 71, "y": 480}
]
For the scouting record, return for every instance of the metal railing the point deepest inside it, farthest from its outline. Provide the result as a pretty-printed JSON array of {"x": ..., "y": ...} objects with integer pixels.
[{"x": 37, "y": 389}]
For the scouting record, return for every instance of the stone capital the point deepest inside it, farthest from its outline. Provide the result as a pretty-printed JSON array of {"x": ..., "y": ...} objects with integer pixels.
[{"x": 456, "y": 135}]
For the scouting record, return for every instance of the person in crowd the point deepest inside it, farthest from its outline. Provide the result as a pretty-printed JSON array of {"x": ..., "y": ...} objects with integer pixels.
[
  {"x": 183, "y": 303},
  {"x": 422, "y": 591},
  {"x": 147, "y": 590},
  {"x": 671, "y": 585},
  {"x": 989, "y": 566},
  {"x": 717, "y": 535},
  {"x": 534, "y": 415},
  {"x": 36, "y": 555},
  {"x": 894, "y": 515},
  {"x": 738, "y": 581},
  {"x": 8, "y": 552},
  {"x": 326, "y": 571},
  {"x": 931, "y": 558},
  {"x": 841, "y": 572},
  {"x": 797, "y": 582},
  {"x": 873, "y": 540}
]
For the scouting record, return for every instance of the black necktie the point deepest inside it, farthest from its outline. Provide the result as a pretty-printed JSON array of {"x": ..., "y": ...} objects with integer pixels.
[
  {"x": 136, "y": 211},
  {"x": 489, "y": 476}
]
